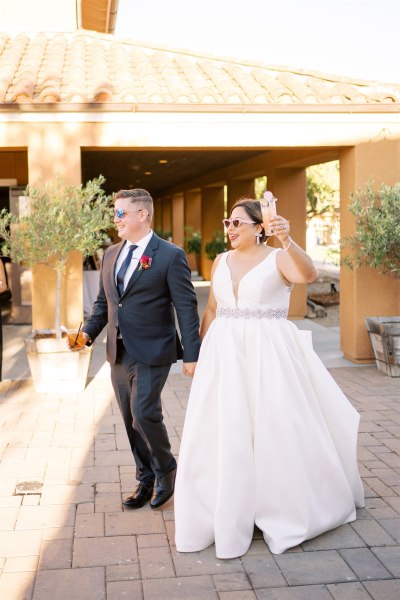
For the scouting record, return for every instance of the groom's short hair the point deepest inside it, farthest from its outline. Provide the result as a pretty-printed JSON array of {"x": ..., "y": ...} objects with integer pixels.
[{"x": 138, "y": 196}]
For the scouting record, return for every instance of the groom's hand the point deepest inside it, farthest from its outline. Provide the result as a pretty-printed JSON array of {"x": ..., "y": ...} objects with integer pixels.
[
  {"x": 76, "y": 343},
  {"x": 189, "y": 368}
]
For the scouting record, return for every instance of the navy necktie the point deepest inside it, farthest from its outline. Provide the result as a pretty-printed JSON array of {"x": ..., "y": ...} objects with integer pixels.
[{"x": 123, "y": 268}]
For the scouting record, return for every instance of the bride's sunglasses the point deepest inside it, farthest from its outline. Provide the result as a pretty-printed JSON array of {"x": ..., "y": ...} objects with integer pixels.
[
  {"x": 121, "y": 212},
  {"x": 237, "y": 222}
]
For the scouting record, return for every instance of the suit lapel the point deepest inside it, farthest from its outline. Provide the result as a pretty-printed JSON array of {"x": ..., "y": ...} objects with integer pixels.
[
  {"x": 150, "y": 251},
  {"x": 118, "y": 250}
]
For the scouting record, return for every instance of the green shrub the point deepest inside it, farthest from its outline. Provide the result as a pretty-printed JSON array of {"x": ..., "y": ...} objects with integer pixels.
[
  {"x": 216, "y": 245},
  {"x": 193, "y": 241},
  {"x": 165, "y": 235}
]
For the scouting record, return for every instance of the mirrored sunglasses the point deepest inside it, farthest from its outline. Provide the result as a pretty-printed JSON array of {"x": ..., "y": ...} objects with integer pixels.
[
  {"x": 237, "y": 222},
  {"x": 121, "y": 212}
]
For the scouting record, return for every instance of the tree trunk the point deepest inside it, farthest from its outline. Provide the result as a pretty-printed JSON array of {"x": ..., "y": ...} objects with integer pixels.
[{"x": 58, "y": 304}]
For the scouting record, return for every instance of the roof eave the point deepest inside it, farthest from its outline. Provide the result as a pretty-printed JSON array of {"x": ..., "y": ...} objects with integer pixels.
[{"x": 381, "y": 108}]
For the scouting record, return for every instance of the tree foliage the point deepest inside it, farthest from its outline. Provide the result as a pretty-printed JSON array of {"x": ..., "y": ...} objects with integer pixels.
[
  {"x": 323, "y": 189},
  {"x": 59, "y": 218},
  {"x": 376, "y": 242}
]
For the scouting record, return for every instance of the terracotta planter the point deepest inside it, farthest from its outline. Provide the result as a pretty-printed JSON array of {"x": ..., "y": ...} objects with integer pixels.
[
  {"x": 198, "y": 264},
  {"x": 53, "y": 366}
]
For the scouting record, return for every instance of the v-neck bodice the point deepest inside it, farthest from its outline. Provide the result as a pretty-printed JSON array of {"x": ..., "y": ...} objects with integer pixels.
[{"x": 262, "y": 286}]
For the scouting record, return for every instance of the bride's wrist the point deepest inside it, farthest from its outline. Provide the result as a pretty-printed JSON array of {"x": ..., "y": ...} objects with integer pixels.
[{"x": 286, "y": 243}]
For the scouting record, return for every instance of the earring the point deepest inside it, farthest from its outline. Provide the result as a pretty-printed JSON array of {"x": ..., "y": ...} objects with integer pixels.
[{"x": 258, "y": 236}]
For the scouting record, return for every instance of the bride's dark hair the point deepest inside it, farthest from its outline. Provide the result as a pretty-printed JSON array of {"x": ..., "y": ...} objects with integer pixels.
[{"x": 253, "y": 210}]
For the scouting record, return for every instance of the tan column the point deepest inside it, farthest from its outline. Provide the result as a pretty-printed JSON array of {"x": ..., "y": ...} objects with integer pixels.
[
  {"x": 193, "y": 221},
  {"x": 289, "y": 187},
  {"x": 212, "y": 213},
  {"x": 53, "y": 152},
  {"x": 238, "y": 188},
  {"x": 44, "y": 294},
  {"x": 193, "y": 209},
  {"x": 167, "y": 216},
  {"x": 178, "y": 220},
  {"x": 364, "y": 292},
  {"x": 157, "y": 218}
]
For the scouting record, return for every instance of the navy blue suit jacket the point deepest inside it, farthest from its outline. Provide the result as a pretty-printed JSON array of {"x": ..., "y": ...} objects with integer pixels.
[{"x": 145, "y": 313}]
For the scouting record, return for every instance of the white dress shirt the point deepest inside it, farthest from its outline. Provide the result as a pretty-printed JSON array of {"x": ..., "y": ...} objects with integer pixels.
[{"x": 136, "y": 256}]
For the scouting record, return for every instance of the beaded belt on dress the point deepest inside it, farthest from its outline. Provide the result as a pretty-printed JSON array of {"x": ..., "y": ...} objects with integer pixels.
[{"x": 258, "y": 313}]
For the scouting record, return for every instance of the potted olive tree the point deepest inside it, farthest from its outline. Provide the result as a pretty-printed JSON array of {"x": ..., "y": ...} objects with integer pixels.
[
  {"x": 216, "y": 245},
  {"x": 376, "y": 244},
  {"x": 59, "y": 219},
  {"x": 193, "y": 244}
]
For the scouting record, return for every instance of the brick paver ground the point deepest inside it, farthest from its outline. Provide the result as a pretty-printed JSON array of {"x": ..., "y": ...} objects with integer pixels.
[{"x": 73, "y": 540}]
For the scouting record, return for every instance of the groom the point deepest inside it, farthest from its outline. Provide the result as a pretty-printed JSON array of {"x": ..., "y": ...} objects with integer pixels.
[{"x": 142, "y": 280}]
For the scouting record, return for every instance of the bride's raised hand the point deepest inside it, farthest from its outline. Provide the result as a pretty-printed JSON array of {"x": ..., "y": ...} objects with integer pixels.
[{"x": 280, "y": 228}]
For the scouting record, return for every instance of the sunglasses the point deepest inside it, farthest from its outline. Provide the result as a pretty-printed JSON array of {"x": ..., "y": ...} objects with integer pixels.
[
  {"x": 121, "y": 212},
  {"x": 237, "y": 222}
]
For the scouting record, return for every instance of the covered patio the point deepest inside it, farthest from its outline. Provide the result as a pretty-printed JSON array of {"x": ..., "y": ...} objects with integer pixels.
[{"x": 196, "y": 131}]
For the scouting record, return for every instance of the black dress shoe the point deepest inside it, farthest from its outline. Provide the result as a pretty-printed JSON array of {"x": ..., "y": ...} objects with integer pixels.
[
  {"x": 139, "y": 497},
  {"x": 163, "y": 489}
]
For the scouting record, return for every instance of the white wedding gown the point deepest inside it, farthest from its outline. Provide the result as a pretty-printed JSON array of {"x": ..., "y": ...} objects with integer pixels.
[{"x": 269, "y": 438}]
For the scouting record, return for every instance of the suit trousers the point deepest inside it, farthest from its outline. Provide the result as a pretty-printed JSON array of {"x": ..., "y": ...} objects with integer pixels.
[{"x": 138, "y": 388}]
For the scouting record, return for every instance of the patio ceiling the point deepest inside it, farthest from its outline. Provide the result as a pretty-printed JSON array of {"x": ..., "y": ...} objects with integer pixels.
[{"x": 124, "y": 169}]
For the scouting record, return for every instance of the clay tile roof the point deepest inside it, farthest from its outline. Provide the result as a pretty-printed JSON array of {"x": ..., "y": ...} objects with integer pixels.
[{"x": 86, "y": 66}]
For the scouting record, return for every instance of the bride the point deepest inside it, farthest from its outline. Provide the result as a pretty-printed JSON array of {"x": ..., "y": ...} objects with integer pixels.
[{"x": 269, "y": 438}]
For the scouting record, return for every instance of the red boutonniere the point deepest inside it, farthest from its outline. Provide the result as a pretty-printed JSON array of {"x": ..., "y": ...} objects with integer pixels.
[{"x": 145, "y": 262}]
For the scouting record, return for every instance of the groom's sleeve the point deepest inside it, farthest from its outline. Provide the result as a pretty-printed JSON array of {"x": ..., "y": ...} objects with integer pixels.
[
  {"x": 98, "y": 319},
  {"x": 185, "y": 302}
]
